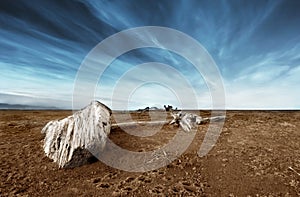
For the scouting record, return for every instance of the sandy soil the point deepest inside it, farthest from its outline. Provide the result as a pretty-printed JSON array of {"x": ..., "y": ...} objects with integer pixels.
[{"x": 252, "y": 157}]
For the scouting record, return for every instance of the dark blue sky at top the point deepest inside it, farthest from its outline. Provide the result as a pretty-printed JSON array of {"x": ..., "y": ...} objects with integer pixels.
[{"x": 256, "y": 45}]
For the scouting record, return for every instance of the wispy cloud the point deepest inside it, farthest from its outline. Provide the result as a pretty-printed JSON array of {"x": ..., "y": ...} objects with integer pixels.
[{"x": 254, "y": 43}]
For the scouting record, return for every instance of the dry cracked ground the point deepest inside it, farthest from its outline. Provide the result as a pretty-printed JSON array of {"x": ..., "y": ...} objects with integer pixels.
[{"x": 257, "y": 154}]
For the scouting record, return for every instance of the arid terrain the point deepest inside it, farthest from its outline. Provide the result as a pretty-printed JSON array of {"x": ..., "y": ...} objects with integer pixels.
[{"x": 257, "y": 154}]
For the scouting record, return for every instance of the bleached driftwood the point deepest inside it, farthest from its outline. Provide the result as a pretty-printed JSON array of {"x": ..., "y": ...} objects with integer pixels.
[
  {"x": 187, "y": 121},
  {"x": 292, "y": 169},
  {"x": 69, "y": 140},
  {"x": 139, "y": 122}
]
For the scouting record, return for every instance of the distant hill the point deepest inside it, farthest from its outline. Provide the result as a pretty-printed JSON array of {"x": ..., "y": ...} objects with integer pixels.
[
  {"x": 149, "y": 109},
  {"x": 20, "y": 106},
  {"x": 154, "y": 108}
]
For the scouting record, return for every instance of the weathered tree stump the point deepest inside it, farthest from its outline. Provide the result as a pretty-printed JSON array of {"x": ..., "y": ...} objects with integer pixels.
[{"x": 69, "y": 140}]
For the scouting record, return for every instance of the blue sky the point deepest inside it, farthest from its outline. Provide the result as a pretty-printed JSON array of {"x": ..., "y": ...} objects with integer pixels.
[{"x": 255, "y": 44}]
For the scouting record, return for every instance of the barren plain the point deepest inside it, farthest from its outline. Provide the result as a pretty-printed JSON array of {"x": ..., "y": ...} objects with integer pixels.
[{"x": 257, "y": 154}]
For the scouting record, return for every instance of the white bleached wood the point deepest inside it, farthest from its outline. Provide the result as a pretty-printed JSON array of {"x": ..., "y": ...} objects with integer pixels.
[
  {"x": 187, "y": 121},
  {"x": 69, "y": 140},
  {"x": 139, "y": 123}
]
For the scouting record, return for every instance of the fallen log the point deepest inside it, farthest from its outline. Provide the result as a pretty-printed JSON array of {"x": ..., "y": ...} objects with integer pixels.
[{"x": 125, "y": 124}]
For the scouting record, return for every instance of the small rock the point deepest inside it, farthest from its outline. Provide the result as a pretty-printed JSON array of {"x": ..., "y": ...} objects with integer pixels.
[
  {"x": 177, "y": 188},
  {"x": 128, "y": 188},
  {"x": 141, "y": 178},
  {"x": 129, "y": 179},
  {"x": 104, "y": 185},
  {"x": 116, "y": 194},
  {"x": 186, "y": 183},
  {"x": 96, "y": 180},
  {"x": 225, "y": 160},
  {"x": 75, "y": 190},
  {"x": 190, "y": 188},
  {"x": 147, "y": 180}
]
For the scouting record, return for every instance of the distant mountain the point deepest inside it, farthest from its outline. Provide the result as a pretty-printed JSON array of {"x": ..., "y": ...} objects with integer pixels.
[
  {"x": 149, "y": 109},
  {"x": 20, "y": 106},
  {"x": 154, "y": 108}
]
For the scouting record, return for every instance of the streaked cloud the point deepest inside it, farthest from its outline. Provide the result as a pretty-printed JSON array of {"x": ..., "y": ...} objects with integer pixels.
[{"x": 256, "y": 45}]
